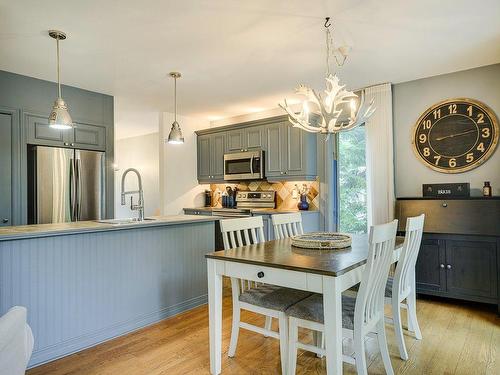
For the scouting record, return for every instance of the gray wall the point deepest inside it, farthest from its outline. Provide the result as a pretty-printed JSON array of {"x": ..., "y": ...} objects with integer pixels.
[
  {"x": 22, "y": 94},
  {"x": 411, "y": 99}
]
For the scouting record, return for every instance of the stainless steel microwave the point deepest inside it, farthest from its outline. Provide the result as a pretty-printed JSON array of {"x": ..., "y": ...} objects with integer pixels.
[{"x": 248, "y": 165}]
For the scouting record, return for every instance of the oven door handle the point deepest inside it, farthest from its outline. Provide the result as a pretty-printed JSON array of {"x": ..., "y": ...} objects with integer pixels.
[{"x": 251, "y": 165}]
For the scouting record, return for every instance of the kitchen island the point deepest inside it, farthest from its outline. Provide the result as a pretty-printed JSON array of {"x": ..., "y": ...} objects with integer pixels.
[{"x": 84, "y": 283}]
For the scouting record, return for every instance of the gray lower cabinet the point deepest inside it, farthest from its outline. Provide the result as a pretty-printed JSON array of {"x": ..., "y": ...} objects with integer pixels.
[
  {"x": 463, "y": 267},
  {"x": 460, "y": 251},
  {"x": 6, "y": 127},
  {"x": 82, "y": 136},
  {"x": 211, "y": 149}
]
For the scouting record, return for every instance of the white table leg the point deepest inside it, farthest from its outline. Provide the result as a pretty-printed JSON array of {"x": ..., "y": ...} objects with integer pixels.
[
  {"x": 215, "y": 316},
  {"x": 332, "y": 304}
]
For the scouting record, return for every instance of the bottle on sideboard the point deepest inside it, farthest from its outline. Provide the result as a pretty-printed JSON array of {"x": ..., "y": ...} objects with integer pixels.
[{"x": 487, "y": 189}]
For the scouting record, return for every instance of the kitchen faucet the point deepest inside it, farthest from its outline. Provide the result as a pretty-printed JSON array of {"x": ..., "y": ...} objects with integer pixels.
[{"x": 140, "y": 205}]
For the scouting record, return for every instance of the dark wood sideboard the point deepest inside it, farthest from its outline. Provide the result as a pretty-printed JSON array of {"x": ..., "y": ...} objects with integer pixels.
[{"x": 460, "y": 252}]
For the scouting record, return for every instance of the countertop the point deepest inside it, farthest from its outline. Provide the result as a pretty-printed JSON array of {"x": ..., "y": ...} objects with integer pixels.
[
  {"x": 45, "y": 230},
  {"x": 258, "y": 211}
]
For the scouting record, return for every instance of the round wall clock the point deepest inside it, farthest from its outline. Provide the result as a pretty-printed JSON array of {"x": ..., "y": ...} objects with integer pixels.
[{"x": 456, "y": 135}]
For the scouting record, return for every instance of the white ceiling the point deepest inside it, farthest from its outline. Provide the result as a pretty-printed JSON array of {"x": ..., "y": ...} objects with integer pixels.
[{"x": 240, "y": 56}]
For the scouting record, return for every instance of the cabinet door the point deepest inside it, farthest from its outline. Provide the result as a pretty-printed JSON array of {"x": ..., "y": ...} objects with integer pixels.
[
  {"x": 235, "y": 140},
  {"x": 430, "y": 271},
  {"x": 6, "y": 168},
  {"x": 40, "y": 133},
  {"x": 471, "y": 268},
  {"x": 91, "y": 137},
  {"x": 217, "y": 149},
  {"x": 274, "y": 150},
  {"x": 254, "y": 138},
  {"x": 204, "y": 158},
  {"x": 294, "y": 151}
]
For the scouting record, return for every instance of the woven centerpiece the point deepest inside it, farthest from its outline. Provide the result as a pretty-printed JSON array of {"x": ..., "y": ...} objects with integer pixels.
[{"x": 322, "y": 240}]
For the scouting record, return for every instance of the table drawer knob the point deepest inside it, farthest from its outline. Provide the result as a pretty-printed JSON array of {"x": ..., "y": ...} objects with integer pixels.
[
  {"x": 260, "y": 275},
  {"x": 445, "y": 205}
]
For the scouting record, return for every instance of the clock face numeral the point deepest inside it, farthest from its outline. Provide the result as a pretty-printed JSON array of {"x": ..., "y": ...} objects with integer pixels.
[{"x": 456, "y": 135}]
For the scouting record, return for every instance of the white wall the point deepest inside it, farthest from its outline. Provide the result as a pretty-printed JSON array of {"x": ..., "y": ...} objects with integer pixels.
[
  {"x": 140, "y": 152},
  {"x": 178, "y": 178},
  {"x": 411, "y": 99}
]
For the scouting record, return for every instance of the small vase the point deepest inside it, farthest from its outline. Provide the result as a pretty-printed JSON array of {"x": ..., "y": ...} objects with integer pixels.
[{"x": 303, "y": 205}]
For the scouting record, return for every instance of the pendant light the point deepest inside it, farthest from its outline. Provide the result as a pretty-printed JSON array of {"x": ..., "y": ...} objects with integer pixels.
[
  {"x": 59, "y": 117},
  {"x": 175, "y": 135}
]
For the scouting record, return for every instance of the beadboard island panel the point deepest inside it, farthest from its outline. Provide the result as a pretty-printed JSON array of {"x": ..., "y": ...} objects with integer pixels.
[{"x": 81, "y": 289}]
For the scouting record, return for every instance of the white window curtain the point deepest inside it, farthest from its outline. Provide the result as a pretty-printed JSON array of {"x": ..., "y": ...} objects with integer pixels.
[{"x": 380, "y": 156}]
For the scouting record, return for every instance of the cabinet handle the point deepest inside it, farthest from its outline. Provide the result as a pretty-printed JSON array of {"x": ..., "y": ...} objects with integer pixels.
[
  {"x": 448, "y": 266},
  {"x": 66, "y": 143},
  {"x": 260, "y": 275},
  {"x": 441, "y": 265},
  {"x": 445, "y": 205},
  {"x": 5, "y": 220},
  {"x": 72, "y": 144}
]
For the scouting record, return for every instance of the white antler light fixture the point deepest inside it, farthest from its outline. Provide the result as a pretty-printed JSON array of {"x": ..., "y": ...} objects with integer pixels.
[
  {"x": 323, "y": 114},
  {"x": 59, "y": 117},
  {"x": 175, "y": 135}
]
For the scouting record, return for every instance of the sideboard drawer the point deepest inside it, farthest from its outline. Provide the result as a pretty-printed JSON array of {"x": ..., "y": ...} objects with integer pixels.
[
  {"x": 453, "y": 216},
  {"x": 268, "y": 275}
]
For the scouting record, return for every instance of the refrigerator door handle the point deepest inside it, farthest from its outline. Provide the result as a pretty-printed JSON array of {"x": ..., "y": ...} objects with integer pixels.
[
  {"x": 72, "y": 189},
  {"x": 78, "y": 165}
]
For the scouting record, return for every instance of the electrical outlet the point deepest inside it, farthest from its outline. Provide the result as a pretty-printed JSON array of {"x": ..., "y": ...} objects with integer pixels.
[{"x": 295, "y": 195}]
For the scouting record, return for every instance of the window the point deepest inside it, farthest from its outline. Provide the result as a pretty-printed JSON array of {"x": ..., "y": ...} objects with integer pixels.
[{"x": 352, "y": 181}]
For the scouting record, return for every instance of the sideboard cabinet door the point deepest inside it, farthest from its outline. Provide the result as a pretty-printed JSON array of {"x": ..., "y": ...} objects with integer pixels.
[
  {"x": 471, "y": 268},
  {"x": 431, "y": 263}
]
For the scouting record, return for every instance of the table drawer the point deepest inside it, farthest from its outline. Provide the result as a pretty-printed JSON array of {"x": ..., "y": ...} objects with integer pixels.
[{"x": 268, "y": 275}]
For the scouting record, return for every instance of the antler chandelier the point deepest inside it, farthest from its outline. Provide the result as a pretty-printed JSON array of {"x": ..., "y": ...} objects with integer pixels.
[{"x": 323, "y": 114}]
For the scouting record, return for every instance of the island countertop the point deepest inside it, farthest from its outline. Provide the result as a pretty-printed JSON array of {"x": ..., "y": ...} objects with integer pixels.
[{"x": 46, "y": 230}]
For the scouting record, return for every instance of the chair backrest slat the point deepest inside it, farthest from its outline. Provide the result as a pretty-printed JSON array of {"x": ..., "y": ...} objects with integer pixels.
[
  {"x": 287, "y": 225},
  {"x": 370, "y": 299},
  {"x": 405, "y": 269},
  {"x": 242, "y": 232}
]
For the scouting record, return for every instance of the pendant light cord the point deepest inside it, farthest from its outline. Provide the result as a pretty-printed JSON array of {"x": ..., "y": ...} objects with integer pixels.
[
  {"x": 58, "y": 69},
  {"x": 175, "y": 99}
]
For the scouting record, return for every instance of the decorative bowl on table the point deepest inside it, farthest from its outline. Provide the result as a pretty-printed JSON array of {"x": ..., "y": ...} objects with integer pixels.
[{"x": 322, "y": 240}]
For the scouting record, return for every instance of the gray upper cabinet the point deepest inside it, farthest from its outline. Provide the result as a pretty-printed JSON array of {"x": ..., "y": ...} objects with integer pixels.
[
  {"x": 6, "y": 122},
  {"x": 82, "y": 136},
  {"x": 290, "y": 153},
  {"x": 274, "y": 150},
  {"x": 235, "y": 139},
  {"x": 91, "y": 137},
  {"x": 245, "y": 139},
  {"x": 211, "y": 148}
]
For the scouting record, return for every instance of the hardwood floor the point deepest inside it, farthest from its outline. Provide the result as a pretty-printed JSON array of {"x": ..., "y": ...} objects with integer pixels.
[{"x": 458, "y": 338}]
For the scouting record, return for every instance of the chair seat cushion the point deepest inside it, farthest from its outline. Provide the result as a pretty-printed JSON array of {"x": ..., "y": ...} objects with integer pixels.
[
  {"x": 273, "y": 297},
  {"x": 311, "y": 309}
]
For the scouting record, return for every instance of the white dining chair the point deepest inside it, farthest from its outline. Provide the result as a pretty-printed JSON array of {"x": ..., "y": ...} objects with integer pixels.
[
  {"x": 287, "y": 225},
  {"x": 268, "y": 300},
  {"x": 402, "y": 287},
  {"x": 361, "y": 316},
  {"x": 16, "y": 342}
]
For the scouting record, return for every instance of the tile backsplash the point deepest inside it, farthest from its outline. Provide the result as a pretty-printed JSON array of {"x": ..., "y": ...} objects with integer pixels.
[{"x": 284, "y": 192}]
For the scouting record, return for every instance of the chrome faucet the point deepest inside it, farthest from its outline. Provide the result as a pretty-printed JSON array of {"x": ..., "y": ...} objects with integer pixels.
[{"x": 140, "y": 205}]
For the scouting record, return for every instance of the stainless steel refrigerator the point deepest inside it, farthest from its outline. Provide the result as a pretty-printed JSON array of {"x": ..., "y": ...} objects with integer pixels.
[{"x": 65, "y": 185}]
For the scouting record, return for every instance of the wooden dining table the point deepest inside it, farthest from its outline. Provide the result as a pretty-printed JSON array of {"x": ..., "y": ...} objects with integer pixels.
[{"x": 329, "y": 272}]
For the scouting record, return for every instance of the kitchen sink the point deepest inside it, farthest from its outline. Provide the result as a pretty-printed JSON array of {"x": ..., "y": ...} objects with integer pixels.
[{"x": 125, "y": 221}]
